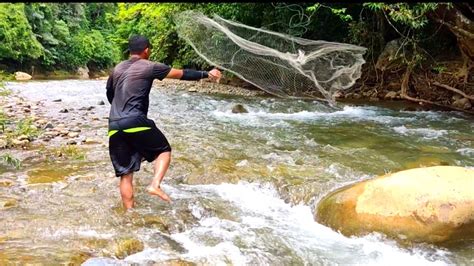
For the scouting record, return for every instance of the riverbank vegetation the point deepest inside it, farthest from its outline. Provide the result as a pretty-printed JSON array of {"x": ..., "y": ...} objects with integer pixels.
[{"x": 420, "y": 52}]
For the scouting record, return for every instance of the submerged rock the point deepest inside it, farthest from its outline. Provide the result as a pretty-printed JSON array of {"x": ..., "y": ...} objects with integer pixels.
[
  {"x": 7, "y": 203},
  {"x": 128, "y": 246},
  {"x": 433, "y": 204},
  {"x": 5, "y": 183},
  {"x": 238, "y": 109}
]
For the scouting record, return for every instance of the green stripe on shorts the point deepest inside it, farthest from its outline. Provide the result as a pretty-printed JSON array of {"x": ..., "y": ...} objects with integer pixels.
[
  {"x": 129, "y": 130},
  {"x": 135, "y": 129}
]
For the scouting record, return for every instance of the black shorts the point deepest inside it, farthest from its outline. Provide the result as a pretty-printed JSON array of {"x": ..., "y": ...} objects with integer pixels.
[{"x": 128, "y": 147}]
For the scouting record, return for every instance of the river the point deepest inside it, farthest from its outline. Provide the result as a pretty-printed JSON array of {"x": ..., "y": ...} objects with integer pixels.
[{"x": 244, "y": 186}]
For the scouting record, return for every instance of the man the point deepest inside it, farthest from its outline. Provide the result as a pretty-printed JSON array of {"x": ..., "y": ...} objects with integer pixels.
[{"x": 132, "y": 136}]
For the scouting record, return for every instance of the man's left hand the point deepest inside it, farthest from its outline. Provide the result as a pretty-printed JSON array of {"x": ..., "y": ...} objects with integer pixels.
[{"x": 215, "y": 75}]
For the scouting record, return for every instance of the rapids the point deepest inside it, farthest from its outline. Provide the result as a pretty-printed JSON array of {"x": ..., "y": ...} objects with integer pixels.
[{"x": 244, "y": 186}]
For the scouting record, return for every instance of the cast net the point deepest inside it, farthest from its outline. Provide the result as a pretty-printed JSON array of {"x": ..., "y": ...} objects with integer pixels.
[{"x": 280, "y": 64}]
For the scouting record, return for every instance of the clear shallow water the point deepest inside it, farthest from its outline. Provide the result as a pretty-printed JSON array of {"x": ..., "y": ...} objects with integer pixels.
[{"x": 244, "y": 185}]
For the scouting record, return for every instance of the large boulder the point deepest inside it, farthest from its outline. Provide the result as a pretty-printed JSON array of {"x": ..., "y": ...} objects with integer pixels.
[
  {"x": 83, "y": 72},
  {"x": 22, "y": 76},
  {"x": 432, "y": 204}
]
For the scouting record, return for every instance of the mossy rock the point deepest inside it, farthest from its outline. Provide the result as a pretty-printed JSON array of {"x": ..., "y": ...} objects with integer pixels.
[{"x": 127, "y": 246}]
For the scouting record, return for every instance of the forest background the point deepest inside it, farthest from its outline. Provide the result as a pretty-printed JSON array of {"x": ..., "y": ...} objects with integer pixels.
[{"x": 421, "y": 52}]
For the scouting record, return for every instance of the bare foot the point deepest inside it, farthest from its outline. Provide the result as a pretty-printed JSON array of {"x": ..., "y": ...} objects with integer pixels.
[{"x": 156, "y": 191}]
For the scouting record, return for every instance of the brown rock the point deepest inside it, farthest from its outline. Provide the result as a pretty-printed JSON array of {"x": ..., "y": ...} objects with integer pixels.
[
  {"x": 238, "y": 108},
  {"x": 128, "y": 246}
]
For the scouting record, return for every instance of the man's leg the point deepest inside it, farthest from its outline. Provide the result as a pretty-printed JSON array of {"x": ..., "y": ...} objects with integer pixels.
[
  {"x": 126, "y": 190},
  {"x": 160, "y": 166}
]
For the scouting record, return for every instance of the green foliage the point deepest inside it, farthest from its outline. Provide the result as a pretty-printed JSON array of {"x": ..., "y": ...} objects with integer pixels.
[
  {"x": 10, "y": 160},
  {"x": 64, "y": 36},
  {"x": 412, "y": 15},
  {"x": 23, "y": 127},
  {"x": 339, "y": 12},
  {"x": 16, "y": 37},
  {"x": 91, "y": 48},
  {"x": 439, "y": 69},
  {"x": 71, "y": 152}
]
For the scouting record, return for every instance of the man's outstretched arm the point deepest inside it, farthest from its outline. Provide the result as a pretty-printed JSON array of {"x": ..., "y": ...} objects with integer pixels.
[{"x": 188, "y": 74}]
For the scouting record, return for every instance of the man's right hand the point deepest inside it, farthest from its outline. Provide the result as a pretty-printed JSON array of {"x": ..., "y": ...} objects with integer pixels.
[{"x": 215, "y": 75}]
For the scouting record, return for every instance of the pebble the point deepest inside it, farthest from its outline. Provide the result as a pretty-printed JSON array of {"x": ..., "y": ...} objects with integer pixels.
[
  {"x": 3, "y": 143},
  {"x": 101, "y": 103},
  {"x": 22, "y": 137},
  {"x": 76, "y": 129},
  {"x": 48, "y": 125},
  {"x": 73, "y": 134},
  {"x": 71, "y": 142},
  {"x": 63, "y": 110},
  {"x": 5, "y": 183},
  {"x": 20, "y": 142},
  {"x": 57, "y": 100},
  {"x": 90, "y": 141},
  {"x": 41, "y": 121}
]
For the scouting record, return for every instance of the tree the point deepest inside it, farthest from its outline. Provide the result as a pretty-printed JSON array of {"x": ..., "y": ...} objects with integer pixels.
[{"x": 16, "y": 37}]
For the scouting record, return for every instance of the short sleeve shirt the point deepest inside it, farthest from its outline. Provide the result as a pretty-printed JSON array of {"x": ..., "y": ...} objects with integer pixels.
[{"x": 131, "y": 84}]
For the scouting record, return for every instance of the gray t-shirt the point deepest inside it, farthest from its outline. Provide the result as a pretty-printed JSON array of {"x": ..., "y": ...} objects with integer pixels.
[{"x": 128, "y": 87}]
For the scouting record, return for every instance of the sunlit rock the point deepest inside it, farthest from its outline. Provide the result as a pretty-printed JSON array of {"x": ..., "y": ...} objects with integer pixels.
[
  {"x": 22, "y": 76},
  {"x": 83, "y": 72},
  {"x": 433, "y": 204}
]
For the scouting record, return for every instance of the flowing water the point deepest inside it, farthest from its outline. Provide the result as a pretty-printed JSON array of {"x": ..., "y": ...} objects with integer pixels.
[{"x": 244, "y": 186}]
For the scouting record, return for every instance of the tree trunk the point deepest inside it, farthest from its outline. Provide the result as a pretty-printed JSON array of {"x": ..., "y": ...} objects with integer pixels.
[{"x": 459, "y": 20}]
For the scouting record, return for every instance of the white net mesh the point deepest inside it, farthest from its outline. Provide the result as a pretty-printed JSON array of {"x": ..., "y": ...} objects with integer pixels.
[{"x": 280, "y": 64}]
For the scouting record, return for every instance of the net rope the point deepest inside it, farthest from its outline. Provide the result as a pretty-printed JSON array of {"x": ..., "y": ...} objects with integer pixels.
[{"x": 280, "y": 64}]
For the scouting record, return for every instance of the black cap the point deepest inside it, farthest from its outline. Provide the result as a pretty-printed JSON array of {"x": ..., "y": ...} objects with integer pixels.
[{"x": 138, "y": 43}]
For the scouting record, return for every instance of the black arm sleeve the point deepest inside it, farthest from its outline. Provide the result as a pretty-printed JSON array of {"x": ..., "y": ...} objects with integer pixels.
[
  {"x": 189, "y": 74},
  {"x": 110, "y": 89}
]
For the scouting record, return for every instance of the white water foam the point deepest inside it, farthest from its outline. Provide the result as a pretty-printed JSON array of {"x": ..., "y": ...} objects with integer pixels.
[
  {"x": 348, "y": 112},
  {"x": 285, "y": 227},
  {"x": 426, "y": 133},
  {"x": 466, "y": 151}
]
